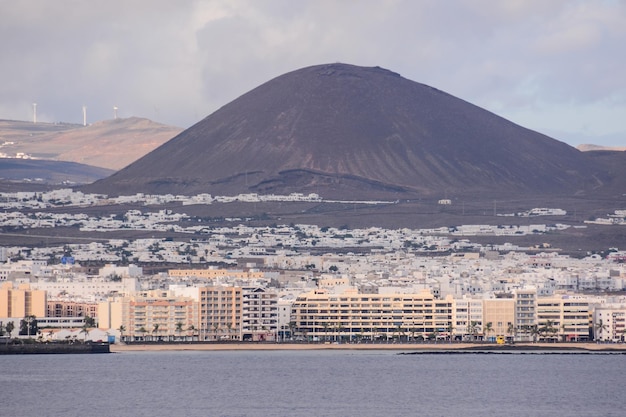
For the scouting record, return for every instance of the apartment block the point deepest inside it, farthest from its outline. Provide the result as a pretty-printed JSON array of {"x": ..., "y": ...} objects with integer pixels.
[
  {"x": 349, "y": 315},
  {"x": 563, "y": 318},
  {"x": 609, "y": 323},
  {"x": 220, "y": 315},
  {"x": 525, "y": 313},
  {"x": 259, "y": 314},
  {"x": 68, "y": 308},
  {"x": 21, "y": 301},
  {"x": 500, "y": 314},
  {"x": 158, "y": 316},
  {"x": 467, "y": 319}
]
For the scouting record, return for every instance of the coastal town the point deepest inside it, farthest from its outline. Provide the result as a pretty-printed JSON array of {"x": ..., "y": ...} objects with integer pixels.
[{"x": 296, "y": 283}]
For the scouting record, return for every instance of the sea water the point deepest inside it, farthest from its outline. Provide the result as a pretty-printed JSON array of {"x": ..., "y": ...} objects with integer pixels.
[{"x": 312, "y": 383}]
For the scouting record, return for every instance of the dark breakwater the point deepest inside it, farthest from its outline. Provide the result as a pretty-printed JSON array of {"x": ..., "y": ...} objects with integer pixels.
[{"x": 53, "y": 348}]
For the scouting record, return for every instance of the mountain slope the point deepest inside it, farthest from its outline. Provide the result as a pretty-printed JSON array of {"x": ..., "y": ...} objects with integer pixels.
[
  {"x": 49, "y": 172},
  {"x": 343, "y": 130},
  {"x": 111, "y": 144}
]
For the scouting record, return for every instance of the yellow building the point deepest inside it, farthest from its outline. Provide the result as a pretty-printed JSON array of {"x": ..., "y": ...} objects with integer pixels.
[
  {"x": 321, "y": 315},
  {"x": 21, "y": 301}
]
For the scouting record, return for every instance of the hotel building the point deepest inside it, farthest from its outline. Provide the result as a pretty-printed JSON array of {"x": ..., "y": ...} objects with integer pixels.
[{"x": 320, "y": 314}]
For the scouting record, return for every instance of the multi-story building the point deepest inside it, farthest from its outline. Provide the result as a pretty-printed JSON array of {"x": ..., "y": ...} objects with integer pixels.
[
  {"x": 563, "y": 317},
  {"x": 285, "y": 325},
  {"x": 259, "y": 316},
  {"x": 21, "y": 301},
  {"x": 499, "y": 318},
  {"x": 69, "y": 308},
  {"x": 320, "y": 314},
  {"x": 156, "y": 316},
  {"x": 525, "y": 313},
  {"x": 468, "y": 318},
  {"x": 609, "y": 323},
  {"x": 220, "y": 315}
]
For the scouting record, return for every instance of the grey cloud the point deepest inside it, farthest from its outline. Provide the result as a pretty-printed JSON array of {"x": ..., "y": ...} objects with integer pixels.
[{"x": 176, "y": 62}]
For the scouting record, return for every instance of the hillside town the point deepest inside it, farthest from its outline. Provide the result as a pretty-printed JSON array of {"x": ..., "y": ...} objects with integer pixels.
[{"x": 296, "y": 283}]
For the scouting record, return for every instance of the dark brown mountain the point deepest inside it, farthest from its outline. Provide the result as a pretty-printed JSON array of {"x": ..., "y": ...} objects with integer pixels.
[{"x": 347, "y": 131}]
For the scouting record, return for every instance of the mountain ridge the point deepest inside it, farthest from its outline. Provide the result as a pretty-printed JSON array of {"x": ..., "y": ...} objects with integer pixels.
[{"x": 363, "y": 132}]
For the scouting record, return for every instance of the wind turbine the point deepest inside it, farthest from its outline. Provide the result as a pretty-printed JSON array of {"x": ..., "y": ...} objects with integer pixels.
[
  {"x": 34, "y": 113},
  {"x": 115, "y": 112},
  {"x": 84, "y": 115}
]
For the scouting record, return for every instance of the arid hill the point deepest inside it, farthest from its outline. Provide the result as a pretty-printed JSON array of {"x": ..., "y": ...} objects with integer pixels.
[
  {"x": 111, "y": 144},
  {"x": 37, "y": 171},
  {"x": 355, "y": 132}
]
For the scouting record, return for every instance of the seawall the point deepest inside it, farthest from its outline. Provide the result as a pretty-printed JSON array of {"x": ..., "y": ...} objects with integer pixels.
[{"x": 53, "y": 348}]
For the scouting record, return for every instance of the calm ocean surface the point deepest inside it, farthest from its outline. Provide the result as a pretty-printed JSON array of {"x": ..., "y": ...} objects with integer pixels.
[{"x": 312, "y": 383}]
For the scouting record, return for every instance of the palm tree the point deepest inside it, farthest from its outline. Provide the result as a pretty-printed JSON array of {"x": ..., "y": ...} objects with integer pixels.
[
  {"x": 90, "y": 321},
  {"x": 474, "y": 328},
  {"x": 548, "y": 329},
  {"x": 142, "y": 330},
  {"x": 534, "y": 332},
  {"x": 155, "y": 329},
  {"x": 10, "y": 326},
  {"x": 292, "y": 327},
  {"x": 85, "y": 330},
  {"x": 191, "y": 329},
  {"x": 340, "y": 331},
  {"x": 601, "y": 328},
  {"x": 229, "y": 326},
  {"x": 179, "y": 328},
  {"x": 397, "y": 332},
  {"x": 450, "y": 329},
  {"x": 488, "y": 329},
  {"x": 121, "y": 329},
  {"x": 510, "y": 330},
  {"x": 325, "y": 325}
]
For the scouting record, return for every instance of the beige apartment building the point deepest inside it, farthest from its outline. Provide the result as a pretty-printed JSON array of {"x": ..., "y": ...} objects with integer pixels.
[
  {"x": 21, "y": 301},
  {"x": 563, "y": 318},
  {"x": 151, "y": 316},
  {"x": 525, "y": 313},
  {"x": 499, "y": 318},
  {"x": 322, "y": 315},
  {"x": 220, "y": 313}
]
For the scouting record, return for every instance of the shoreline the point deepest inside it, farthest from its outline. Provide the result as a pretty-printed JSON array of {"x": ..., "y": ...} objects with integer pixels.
[{"x": 408, "y": 348}]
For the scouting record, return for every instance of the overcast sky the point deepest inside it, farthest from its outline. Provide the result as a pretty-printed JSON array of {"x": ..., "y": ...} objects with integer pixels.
[{"x": 555, "y": 66}]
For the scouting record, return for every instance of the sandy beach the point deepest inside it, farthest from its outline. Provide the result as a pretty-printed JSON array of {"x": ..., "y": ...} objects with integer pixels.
[{"x": 437, "y": 347}]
